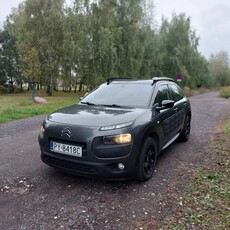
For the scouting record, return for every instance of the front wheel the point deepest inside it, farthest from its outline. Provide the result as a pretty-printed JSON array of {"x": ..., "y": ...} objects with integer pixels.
[{"x": 147, "y": 160}]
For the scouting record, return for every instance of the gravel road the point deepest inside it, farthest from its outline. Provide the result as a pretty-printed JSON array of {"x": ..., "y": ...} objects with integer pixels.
[{"x": 36, "y": 196}]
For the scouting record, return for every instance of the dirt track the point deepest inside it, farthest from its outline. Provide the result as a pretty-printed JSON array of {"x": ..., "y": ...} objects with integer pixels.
[{"x": 35, "y": 196}]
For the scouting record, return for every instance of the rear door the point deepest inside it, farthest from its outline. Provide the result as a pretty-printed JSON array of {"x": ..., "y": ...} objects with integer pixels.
[{"x": 179, "y": 108}]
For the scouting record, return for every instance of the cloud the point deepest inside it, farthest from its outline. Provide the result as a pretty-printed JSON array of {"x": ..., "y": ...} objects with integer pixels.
[
  {"x": 215, "y": 29},
  {"x": 209, "y": 18},
  {"x": 6, "y": 7}
]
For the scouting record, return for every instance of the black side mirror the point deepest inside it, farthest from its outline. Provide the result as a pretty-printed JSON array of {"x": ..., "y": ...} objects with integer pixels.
[{"x": 166, "y": 104}]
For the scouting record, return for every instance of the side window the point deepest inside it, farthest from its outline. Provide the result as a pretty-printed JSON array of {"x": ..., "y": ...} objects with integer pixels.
[
  {"x": 162, "y": 94},
  {"x": 176, "y": 93}
]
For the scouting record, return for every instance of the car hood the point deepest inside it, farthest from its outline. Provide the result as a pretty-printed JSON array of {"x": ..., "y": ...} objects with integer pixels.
[{"x": 87, "y": 115}]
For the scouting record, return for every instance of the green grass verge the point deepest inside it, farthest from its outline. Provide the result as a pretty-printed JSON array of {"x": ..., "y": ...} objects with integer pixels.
[
  {"x": 17, "y": 106},
  {"x": 192, "y": 92},
  {"x": 207, "y": 204},
  {"x": 225, "y": 92}
]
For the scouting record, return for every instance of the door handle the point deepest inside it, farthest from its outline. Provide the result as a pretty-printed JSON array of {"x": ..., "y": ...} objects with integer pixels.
[{"x": 175, "y": 109}]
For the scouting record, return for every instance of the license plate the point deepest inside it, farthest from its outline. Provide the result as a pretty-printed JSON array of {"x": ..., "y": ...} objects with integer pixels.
[{"x": 66, "y": 149}]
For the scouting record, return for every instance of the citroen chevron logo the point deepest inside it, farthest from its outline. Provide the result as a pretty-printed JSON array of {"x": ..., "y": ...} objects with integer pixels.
[{"x": 66, "y": 132}]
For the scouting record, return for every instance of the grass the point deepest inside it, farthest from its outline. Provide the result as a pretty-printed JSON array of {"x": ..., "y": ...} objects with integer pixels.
[
  {"x": 207, "y": 204},
  {"x": 192, "y": 92},
  {"x": 225, "y": 92},
  {"x": 20, "y": 105},
  {"x": 17, "y": 106}
]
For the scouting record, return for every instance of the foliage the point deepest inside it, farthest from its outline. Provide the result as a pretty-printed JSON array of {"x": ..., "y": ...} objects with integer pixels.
[
  {"x": 192, "y": 92},
  {"x": 225, "y": 92},
  {"x": 227, "y": 128},
  {"x": 39, "y": 36},
  {"x": 90, "y": 41},
  {"x": 32, "y": 65},
  {"x": 219, "y": 69},
  {"x": 9, "y": 60},
  {"x": 179, "y": 51},
  {"x": 3, "y": 76}
]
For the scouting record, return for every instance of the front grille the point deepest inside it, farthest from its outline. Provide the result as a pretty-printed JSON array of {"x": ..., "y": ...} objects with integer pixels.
[{"x": 69, "y": 165}]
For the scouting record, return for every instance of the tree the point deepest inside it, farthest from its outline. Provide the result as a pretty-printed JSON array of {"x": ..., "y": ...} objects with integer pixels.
[
  {"x": 219, "y": 68},
  {"x": 40, "y": 28},
  {"x": 9, "y": 60},
  {"x": 179, "y": 44},
  {"x": 128, "y": 38},
  {"x": 3, "y": 75},
  {"x": 90, "y": 41},
  {"x": 32, "y": 68}
]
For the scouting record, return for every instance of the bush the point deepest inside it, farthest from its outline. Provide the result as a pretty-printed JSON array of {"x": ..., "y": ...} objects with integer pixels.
[
  {"x": 187, "y": 91},
  {"x": 6, "y": 89},
  {"x": 18, "y": 90},
  {"x": 225, "y": 92},
  {"x": 3, "y": 90}
]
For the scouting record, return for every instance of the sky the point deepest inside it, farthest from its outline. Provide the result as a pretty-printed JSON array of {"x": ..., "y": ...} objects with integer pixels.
[{"x": 209, "y": 18}]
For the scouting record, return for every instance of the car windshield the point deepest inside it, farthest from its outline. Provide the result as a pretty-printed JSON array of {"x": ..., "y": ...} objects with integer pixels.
[{"x": 120, "y": 94}]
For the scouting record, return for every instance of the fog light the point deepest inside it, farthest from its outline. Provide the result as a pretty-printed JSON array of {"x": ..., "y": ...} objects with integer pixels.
[{"x": 121, "y": 166}]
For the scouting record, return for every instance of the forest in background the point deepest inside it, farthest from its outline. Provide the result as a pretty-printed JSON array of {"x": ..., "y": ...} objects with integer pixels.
[{"x": 49, "y": 43}]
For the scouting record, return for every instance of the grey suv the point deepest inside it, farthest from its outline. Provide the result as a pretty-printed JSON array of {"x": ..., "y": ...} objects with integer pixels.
[{"x": 117, "y": 130}]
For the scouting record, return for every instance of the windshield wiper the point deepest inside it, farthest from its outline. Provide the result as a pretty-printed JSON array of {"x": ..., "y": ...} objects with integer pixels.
[
  {"x": 112, "y": 105},
  {"x": 87, "y": 103},
  {"x": 105, "y": 105}
]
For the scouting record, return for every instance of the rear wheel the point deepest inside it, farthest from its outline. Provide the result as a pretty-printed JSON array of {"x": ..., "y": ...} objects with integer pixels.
[
  {"x": 147, "y": 159},
  {"x": 184, "y": 136}
]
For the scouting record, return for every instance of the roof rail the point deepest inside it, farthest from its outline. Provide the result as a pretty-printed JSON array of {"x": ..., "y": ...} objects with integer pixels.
[
  {"x": 109, "y": 80},
  {"x": 156, "y": 79}
]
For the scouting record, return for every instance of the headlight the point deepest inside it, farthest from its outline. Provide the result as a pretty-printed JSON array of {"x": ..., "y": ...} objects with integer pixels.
[
  {"x": 124, "y": 138},
  {"x": 119, "y": 126},
  {"x": 42, "y": 130}
]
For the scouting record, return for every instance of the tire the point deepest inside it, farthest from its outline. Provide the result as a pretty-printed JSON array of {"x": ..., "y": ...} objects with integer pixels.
[
  {"x": 184, "y": 136},
  {"x": 147, "y": 160}
]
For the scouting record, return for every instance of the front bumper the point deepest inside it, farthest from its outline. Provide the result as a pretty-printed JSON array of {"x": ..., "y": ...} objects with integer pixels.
[
  {"x": 108, "y": 169},
  {"x": 97, "y": 160}
]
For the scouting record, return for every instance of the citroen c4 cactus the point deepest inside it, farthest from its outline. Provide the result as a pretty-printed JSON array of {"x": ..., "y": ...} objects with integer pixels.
[{"x": 117, "y": 130}]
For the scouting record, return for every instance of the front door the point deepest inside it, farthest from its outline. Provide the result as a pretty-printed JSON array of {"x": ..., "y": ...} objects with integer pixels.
[{"x": 165, "y": 116}]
